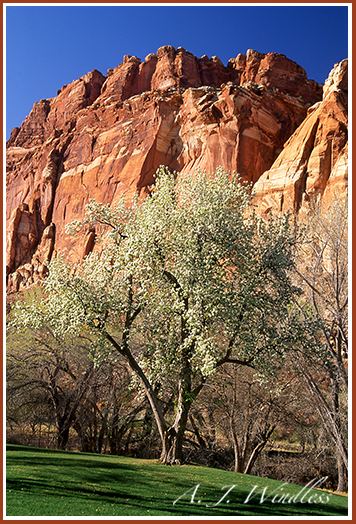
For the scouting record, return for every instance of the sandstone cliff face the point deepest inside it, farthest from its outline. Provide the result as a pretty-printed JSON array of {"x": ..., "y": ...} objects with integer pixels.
[
  {"x": 314, "y": 161},
  {"x": 102, "y": 136}
]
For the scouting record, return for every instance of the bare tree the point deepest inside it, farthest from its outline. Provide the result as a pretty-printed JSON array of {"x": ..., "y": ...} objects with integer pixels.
[
  {"x": 248, "y": 409},
  {"x": 322, "y": 270},
  {"x": 109, "y": 412},
  {"x": 53, "y": 380},
  {"x": 45, "y": 371}
]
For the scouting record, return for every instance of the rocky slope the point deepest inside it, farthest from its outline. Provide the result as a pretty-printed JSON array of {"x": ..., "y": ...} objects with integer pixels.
[{"x": 104, "y": 135}]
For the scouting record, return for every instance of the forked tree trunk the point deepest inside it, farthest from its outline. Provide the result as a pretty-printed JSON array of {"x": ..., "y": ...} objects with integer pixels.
[
  {"x": 172, "y": 452},
  {"x": 241, "y": 451},
  {"x": 124, "y": 349},
  {"x": 173, "y": 446},
  {"x": 254, "y": 456},
  {"x": 171, "y": 438}
]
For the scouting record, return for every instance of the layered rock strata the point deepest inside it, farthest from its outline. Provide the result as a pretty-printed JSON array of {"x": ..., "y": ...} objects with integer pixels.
[
  {"x": 314, "y": 161},
  {"x": 102, "y": 136}
]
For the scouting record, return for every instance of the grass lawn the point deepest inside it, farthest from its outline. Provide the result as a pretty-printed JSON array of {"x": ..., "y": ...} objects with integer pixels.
[{"x": 43, "y": 482}]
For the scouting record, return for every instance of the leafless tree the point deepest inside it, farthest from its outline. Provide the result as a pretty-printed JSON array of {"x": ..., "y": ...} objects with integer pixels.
[{"x": 322, "y": 270}]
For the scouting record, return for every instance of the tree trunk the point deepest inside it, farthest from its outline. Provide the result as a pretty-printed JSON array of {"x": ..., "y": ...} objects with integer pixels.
[
  {"x": 173, "y": 445},
  {"x": 81, "y": 434},
  {"x": 100, "y": 437},
  {"x": 150, "y": 393},
  {"x": 341, "y": 473},
  {"x": 254, "y": 456},
  {"x": 237, "y": 461},
  {"x": 258, "y": 448},
  {"x": 62, "y": 438},
  {"x": 172, "y": 452},
  {"x": 235, "y": 441},
  {"x": 330, "y": 425}
]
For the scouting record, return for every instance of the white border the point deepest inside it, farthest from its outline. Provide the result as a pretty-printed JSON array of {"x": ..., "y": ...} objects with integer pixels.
[{"x": 159, "y": 518}]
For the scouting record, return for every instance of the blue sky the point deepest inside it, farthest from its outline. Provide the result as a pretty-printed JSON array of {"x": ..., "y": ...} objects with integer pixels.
[{"x": 52, "y": 45}]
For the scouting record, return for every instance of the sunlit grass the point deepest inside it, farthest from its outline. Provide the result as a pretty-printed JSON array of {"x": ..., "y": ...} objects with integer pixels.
[{"x": 44, "y": 482}]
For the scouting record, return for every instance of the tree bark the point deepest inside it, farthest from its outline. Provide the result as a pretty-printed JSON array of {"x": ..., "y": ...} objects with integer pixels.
[
  {"x": 341, "y": 474},
  {"x": 173, "y": 449},
  {"x": 237, "y": 458},
  {"x": 62, "y": 437},
  {"x": 257, "y": 450},
  {"x": 173, "y": 453}
]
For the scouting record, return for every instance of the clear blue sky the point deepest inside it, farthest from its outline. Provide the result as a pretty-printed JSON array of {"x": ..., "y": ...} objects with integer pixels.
[{"x": 49, "y": 46}]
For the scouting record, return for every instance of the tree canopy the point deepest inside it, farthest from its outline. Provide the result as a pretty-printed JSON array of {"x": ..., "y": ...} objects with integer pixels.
[{"x": 179, "y": 284}]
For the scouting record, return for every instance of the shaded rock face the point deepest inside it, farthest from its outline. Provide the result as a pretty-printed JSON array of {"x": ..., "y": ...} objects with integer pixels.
[
  {"x": 102, "y": 136},
  {"x": 314, "y": 161}
]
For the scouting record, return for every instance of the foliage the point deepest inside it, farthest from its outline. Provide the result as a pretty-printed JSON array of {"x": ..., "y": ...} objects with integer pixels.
[{"x": 180, "y": 284}]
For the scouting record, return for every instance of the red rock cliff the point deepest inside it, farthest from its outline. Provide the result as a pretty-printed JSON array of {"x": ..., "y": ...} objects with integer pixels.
[
  {"x": 101, "y": 136},
  {"x": 314, "y": 161}
]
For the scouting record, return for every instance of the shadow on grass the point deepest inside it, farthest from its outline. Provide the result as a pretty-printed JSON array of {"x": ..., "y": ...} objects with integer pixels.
[{"x": 134, "y": 487}]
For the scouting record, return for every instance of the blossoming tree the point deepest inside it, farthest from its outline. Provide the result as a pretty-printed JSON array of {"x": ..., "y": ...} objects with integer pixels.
[{"x": 186, "y": 281}]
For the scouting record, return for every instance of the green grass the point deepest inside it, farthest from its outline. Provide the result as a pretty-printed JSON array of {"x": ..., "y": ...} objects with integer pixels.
[{"x": 43, "y": 482}]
